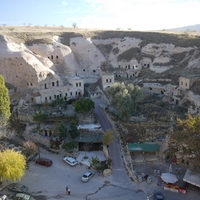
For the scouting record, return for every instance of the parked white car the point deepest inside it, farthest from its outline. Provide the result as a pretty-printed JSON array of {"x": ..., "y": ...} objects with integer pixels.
[
  {"x": 70, "y": 161},
  {"x": 87, "y": 176}
]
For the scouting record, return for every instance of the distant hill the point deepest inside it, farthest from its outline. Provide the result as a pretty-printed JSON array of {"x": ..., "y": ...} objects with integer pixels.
[{"x": 192, "y": 28}]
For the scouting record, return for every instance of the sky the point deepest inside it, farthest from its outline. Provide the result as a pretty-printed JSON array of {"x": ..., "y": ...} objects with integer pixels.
[{"x": 101, "y": 14}]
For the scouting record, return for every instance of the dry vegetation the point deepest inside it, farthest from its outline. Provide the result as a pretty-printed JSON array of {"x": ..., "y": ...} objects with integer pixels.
[{"x": 44, "y": 34}]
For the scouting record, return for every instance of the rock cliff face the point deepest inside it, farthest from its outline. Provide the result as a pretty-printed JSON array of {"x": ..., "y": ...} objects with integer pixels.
[{"x": 125, "y": 54}]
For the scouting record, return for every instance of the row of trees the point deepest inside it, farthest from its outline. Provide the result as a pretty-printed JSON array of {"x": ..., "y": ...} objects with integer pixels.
[{"x": 126, "y": 99}]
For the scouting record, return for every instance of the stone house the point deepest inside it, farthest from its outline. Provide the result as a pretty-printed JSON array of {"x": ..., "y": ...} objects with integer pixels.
[
  {"x": 52, "y": 90},
  {"x": 107, "y": 80}
]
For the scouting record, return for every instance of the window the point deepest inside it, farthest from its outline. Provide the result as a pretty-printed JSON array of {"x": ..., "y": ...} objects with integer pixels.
[
  {"x": 45, "y": 98},
  {"x": 71, "y": 93},
  {"x": 45, "y": 86},
  {"x": 110, "y": 80},
  {"x": 185, "y": 84},
  {"x": 84, "y": 70},
  {"x": 31, "y": 84},
  {"x": 76, "y": 84},
  {"x": 28, "y": 84},
  {"x": 52, "y": 83},
  {"x": 106, "y": 80},
  {"x": 94, "y": 71},
  {"x": 181, "y": 83},
  {"x": 76, "y": 93},
  {"x": 54, "y": 96},
  {"x": 56, "y": 57},
  {"x": 51, "y": 57},
  {"x": 80, "y": 84},
  {"x": 60, "y": 95},
  {"x": 66, "y": 94},
  {"x": 49, "y": 98},
  {"x": 57, "y": 83}
]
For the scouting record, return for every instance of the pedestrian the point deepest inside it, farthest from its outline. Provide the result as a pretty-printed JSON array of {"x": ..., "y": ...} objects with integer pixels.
[{"x": 68, "y": 190}]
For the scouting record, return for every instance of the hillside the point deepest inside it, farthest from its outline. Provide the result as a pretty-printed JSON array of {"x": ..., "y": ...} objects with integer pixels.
[{"x": 157, "y": 54}]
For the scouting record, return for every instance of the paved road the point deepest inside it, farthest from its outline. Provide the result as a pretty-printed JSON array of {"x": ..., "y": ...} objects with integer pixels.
[{"x": 119, "y": 171}]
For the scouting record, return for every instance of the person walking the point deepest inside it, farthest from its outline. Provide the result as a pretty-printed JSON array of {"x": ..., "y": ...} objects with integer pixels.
[{"x": 68, "y": 190}]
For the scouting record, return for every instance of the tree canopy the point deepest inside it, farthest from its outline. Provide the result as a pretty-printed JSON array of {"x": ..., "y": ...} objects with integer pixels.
[
  {"x": 187, "y": 137},
  {"x": 108, "y": 137},
  {"x": 12, "y": 165},
  {"x": 126, "y": 98},
  {"x": 4, "y": 103},
  {"x": 83, "y": 105}
]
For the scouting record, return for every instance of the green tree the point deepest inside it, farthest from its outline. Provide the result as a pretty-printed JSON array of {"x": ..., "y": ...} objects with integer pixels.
[
  {"x": 4, "y": 103},
  {"x": 12, "y": 165},
  {"x": 108, "y": 137},
  {"x": 83, "y": 105},
  {"x": 40, "y": 117},
  {"x": 187, "y": 137},
  {"x": 62, "y": 131},
  {"x": 69, "y": 146},
  {"x": 126, "y": 98},
  {"x": 73, "y": 131}
]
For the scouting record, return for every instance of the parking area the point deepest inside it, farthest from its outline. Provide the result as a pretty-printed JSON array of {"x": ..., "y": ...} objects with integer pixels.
[{"x": 50, "y": 182}]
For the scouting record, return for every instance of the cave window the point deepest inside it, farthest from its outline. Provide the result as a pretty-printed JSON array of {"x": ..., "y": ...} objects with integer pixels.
[
  {"x": 31, "y": 84},
  {"x": 150, "y": 88},
  {"x": 45, "y": 132},
  {"x": 28, "y": 84},
  {"x": 185, "y": 84},
  {"x": 54, "y": 96},
  {"x": 106, "y": 80},
  {"x": 50, "y": 98},
  {"x": 56, "y": 57},
  {"x": 162, "y": 92},
  {"x": 80, "y": 84},
  {"x": 57, "y": 83},
  {"x": 181, "y": 83},
  {"x": 110, "y": 80},
  {"x": 119, "y": 66},
  {"x": 76, "y": 84},
  {"x": 45, "y": 98},
  {"x": 60, "y": 95},
  {"x": 94, "y": 71},
  {"x": 51, "y": 57},
  {"x": 84, "y": 70},
  {"x": 76, "y": 93},
  {"x": 66, "y": 94},
  {"x": 148, "y": 65},
  {"x": 128, "y": 66},
  {"x": 45, "y": 86},
  {"x": 71, "y": 93},
  {"x": 48, "y": 57},
  {"x": 52, "y": 83}
]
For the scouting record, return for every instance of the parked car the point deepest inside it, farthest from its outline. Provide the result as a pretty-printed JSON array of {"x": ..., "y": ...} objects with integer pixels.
[
  {"x": 87, "y": 176},
  {"x": 158, "y": 196},
  {"x": 71, "y": 161},
  {"x": 19, "y": 196},
  {"x": 44, "y": 161},
  {"x": 17, "y": 187}
]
